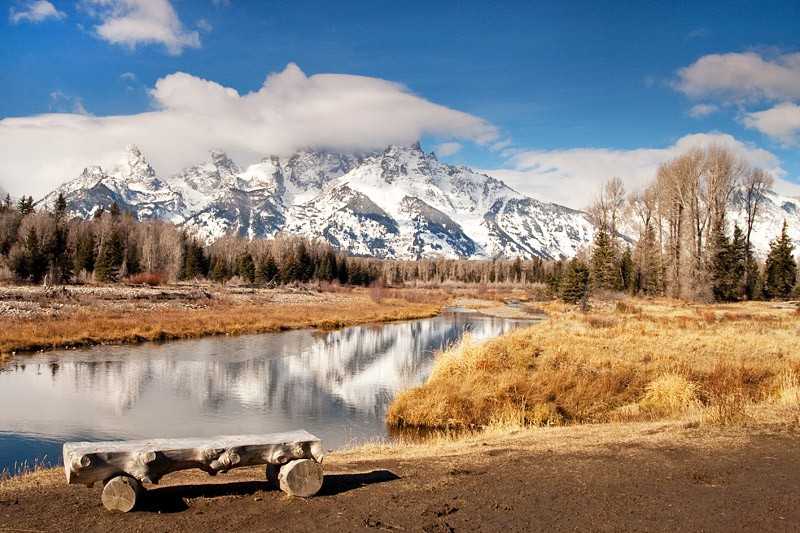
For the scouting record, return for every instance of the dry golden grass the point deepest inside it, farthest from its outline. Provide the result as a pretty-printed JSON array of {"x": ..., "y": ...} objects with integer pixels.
[
  {"x": 642, "y": 360},
  {"x": 91, "y": 325}
]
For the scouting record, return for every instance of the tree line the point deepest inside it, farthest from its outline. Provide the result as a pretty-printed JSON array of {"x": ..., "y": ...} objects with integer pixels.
[
  {"x": 41, "y": 244},
  {"x": 685, "y": 245}
]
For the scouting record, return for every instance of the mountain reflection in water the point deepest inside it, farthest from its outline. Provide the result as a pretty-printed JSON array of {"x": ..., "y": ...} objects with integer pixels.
[{"x": 335, "y": 384}]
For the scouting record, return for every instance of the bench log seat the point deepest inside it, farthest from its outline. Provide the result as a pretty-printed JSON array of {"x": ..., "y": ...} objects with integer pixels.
[{"x": 293, "y": 459}]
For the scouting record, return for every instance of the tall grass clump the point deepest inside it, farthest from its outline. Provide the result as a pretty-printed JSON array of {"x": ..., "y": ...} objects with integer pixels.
[{"x": 648, "y": 361}]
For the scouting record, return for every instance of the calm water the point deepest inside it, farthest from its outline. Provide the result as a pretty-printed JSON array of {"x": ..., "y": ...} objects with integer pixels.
[{"x": 336, "y": 385}]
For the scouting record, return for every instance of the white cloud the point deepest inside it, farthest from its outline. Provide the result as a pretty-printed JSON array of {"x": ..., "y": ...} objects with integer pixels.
[
  {"x": 742, "y": 76},
  {"x": 572, "y": 177},
  {"x": 127, "y": 76},
  {"x": 221, "y": 3},
  {"x": 135, "y": 22},
  {"x": 193, "y": 115},
  {"x": 204, "y": 25},
  {"x": 703, "y": 110},
  {"x": 781, "y": 122},
  {"x": 448, "y": 148},
  {"x": 34, "y": 11}
]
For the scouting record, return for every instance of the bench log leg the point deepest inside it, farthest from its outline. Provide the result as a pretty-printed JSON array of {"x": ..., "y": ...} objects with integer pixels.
[
  {"x": 302, "y": 477},
  {"x": 272, "y": 475},
  {"x": 121, "y": 493}
]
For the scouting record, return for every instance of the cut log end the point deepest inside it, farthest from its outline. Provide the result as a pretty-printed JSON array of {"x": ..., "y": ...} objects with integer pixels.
[
  {"x": 122, "y": 493},
  {"x": 302, "y": 478}
]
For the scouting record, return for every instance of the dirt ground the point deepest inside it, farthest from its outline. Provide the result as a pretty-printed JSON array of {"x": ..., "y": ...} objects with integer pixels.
[{"x": 637, "y": 477}]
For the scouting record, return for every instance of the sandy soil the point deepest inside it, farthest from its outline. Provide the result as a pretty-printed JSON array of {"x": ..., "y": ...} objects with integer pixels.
[{"x": 639, "y": 477}]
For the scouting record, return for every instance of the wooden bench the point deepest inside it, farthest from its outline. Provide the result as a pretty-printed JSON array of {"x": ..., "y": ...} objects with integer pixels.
[{"x": 294, "y": 461}]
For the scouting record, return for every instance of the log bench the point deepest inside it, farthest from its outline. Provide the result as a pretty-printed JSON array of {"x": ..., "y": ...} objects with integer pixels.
[{"x": 293, "y": 460}]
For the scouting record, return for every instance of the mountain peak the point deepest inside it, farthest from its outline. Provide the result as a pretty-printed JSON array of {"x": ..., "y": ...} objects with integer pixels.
[
  {"x": 136, "y": 167},
  {"x": 221, "y": 160}
]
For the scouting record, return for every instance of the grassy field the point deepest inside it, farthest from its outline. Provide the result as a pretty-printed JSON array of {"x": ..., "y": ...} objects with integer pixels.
[
  {"x": 630, "y": 360},
  {"x": 34, "y": 319}
]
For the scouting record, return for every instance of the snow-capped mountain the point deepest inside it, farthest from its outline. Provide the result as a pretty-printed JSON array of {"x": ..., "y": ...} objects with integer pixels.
[{"x": 399, "y": 203}]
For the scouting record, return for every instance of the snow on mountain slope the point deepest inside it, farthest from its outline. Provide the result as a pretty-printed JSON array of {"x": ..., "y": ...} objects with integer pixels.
[
  {"x": 132, "y": 185},
  {"x": 774, "y": 211},
  {"x": 400, "y": 202},
  {"x": 444, "y": 210}
]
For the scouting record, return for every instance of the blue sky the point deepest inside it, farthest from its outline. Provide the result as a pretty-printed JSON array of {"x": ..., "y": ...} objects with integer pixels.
[{"x": 555, "y": 84}]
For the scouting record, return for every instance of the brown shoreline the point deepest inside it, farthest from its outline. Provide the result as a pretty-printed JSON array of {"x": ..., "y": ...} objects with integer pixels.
[{"x": 36, "y": 320}]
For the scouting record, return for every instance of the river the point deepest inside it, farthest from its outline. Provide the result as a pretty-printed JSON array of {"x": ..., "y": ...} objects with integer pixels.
[{"x": 335, "y": 384}]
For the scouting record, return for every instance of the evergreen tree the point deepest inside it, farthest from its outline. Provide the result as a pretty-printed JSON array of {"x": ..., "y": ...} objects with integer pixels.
[
  {"x": 25, "y": 205},
  {"x": 109, "y": 259},
  {"x": 85, "y": 252},
  {"x": 739, "y": 257},
  {"x": 305, "y": 263},
  {"x": 132, "y": 260},
  {"x": 115, "y": 211},
  {"x": 342, "y": 271},
  {"x": 267, "y": 270},
  {"x": 720, "y": 265},
  {"x": 219, "y": 270},
  {"x": 246, "y": 267},
  {"x": 574, "y": 286},
  {"x": 193, "y": 260},
  {"x": 627, "y": 271},
  {"x": 605, "y": 272},
  {"x": 58, "y": 255},
  {"x": 780, "y": 272},
  {"x": 327, "y": 268},
  {"x": 36, "y": 259},
  {"x": 291, "y": 269},
  {"x": 60, "y": 207},
  {"x": 7, "y": 203}
]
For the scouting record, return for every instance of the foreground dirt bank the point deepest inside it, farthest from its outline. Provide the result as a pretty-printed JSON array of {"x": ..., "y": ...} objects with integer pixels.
[
  {"x": 637, "y": 477},
  {"x": 37, "y": 319}
]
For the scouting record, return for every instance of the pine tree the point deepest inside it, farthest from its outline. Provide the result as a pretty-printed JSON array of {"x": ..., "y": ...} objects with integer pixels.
[
  {"x": 267, "y": 270},
  {"x": 326, "y": 270},
  {"x": 627, "y": 271},
  {"x": 343, "y": 271},
  {"x": 109, "y": 259},
  {"x": 25, "y": 205},
  {"x": 605, "y": 272},
  {"x": 58, "y": 255},
  {"x": 246, "y": 267},
  {"x": 115, "y": 211},
  {"x": 720, "y": 266},
  {"x": 85, "y": 252},
  {"x": 739, "y": 257},
  {"x": 36, "y": 259},
  {"x": 305, "y": 263},
  {"x": 219, "y": 270},
  {"x": 780, "y": 272},
  {"x": 574, "y": 286},
  {"x": 60, "y": 207}
]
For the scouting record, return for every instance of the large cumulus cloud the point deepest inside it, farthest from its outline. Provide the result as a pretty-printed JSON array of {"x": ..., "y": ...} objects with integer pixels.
[{"x": 191, "y": 116}]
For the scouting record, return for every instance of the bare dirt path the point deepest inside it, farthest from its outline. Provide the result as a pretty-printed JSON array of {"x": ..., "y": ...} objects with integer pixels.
[{"x": 645, "y": 477}]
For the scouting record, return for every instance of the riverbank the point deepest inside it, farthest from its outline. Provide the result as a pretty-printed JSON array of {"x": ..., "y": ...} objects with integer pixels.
[
  {"x": 38, "y": 319},
  {"x": 624, "y": 361},
  {"x": 674, "y": 476}
]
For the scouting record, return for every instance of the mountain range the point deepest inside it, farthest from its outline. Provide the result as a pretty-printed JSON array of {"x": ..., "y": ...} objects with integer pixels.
[
  {"x": 397, "y": 203},
  {"x": 400, "y": 202}
]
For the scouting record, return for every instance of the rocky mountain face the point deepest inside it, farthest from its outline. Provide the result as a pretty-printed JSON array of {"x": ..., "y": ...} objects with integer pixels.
[{"x": 397, "y": 203}]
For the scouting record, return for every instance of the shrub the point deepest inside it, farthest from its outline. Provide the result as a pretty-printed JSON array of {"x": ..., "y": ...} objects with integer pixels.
[{"x": 152, "y": 279}]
